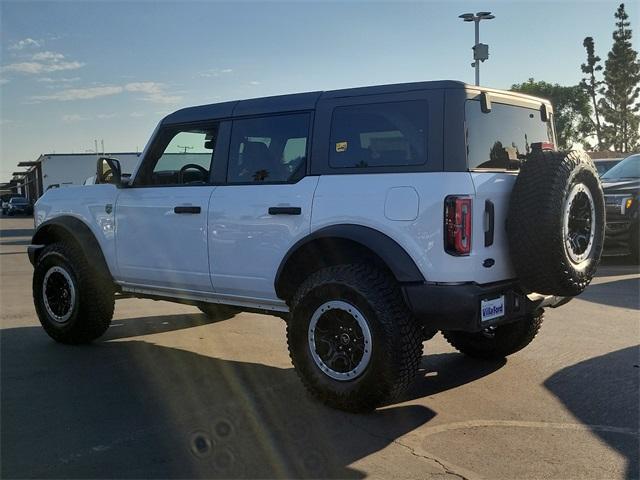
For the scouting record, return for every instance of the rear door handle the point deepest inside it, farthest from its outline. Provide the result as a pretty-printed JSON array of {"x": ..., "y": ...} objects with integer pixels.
[
  {"x": 285, "y": 210},
  {"x": 186, "y": 209},
  {"x": 489, "y": 228}
]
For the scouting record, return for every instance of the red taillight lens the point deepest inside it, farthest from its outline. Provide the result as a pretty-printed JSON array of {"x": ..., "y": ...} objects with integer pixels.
[{"x": 457, "y": 225}]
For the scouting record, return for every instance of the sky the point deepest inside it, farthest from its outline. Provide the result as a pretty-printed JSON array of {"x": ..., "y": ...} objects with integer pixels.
[{"x": 72, "y": 72}]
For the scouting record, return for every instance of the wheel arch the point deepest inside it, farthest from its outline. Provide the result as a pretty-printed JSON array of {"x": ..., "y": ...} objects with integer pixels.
[
  {"x": 344, "y": 243},
  {"x": 70, "y": 229}
]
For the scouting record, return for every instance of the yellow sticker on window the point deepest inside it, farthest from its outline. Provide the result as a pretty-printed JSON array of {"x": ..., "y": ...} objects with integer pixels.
[{"x": 341, "y": 147}]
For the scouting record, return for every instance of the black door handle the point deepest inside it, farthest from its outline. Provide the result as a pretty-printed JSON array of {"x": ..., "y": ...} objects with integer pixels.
[
  {"x": 186, "y": 209},
  {"x": 489, "y": 211},
  {"x": 285, "y": 210}
]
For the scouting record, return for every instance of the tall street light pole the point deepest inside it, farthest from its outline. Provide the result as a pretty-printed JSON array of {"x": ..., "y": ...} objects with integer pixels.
[{"x": 480, "y": 50}]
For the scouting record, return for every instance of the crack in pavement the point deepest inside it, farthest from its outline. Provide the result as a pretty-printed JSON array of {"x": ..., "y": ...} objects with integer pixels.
[{"x": 446, "y": 468}]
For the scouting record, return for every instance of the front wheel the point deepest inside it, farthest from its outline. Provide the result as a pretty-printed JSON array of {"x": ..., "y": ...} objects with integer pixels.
[
  {"x": 494, "y": 343},
  {"x": 73, "y": 302},
  {"x": 351, "y": 338}
]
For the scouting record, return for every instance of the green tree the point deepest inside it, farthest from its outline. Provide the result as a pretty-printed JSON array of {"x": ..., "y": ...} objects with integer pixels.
[
  {"x": 591, "y": 85},
  {"x": 572, "y": 112},
  {"x": 621, "y": 88}
]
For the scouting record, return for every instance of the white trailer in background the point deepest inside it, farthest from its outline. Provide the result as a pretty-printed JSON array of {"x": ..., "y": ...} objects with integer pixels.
[{"x": 65, "y": 169}]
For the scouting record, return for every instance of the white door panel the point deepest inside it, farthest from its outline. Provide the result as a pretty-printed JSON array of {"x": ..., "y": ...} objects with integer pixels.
[
  {"x": 157, "y": 246},
  {"x": 494, "y": 187},
  {"x": 246, "y": 243}
]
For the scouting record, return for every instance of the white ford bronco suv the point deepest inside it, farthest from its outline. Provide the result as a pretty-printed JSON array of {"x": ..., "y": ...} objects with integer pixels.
[{"x": 368, "y": 218}]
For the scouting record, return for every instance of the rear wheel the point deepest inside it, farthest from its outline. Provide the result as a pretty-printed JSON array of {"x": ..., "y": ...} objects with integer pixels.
[
  {"x": 496, "y": 342},
  {"x": 74, "y": 303},
  {"x": 351, "y": 338}
]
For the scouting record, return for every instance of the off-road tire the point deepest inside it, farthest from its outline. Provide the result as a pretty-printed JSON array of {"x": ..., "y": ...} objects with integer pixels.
[
  {"x": 95, "y": 295},
  {"x": 535, "y": 222},
  {"x": 506, "y": 339},
  {"x": 396, "y": 337}
]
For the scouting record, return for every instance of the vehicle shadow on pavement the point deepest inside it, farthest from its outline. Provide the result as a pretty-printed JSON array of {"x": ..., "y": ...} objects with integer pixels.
[
  {"x": 603, "y": 392},
  {"x": 135, "y": 327},
  {"x": 132, "y": 409},
  {"x": 623, "y": 293},
  {"x": 444, "y": 371}
]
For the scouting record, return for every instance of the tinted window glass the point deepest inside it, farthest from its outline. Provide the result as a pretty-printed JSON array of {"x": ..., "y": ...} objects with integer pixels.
[
  {"x": 498, "y": 139},
  {"x": 379, "y": 135},
  {"x": 268, "y": 149},
  {"x": 183, "y": 156},
  {"x": 627, "y": 168}
]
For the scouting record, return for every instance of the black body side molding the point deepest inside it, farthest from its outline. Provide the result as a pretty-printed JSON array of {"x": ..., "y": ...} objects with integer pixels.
[
  {"x": 73, "y": 230},
  {"x": 390, "y": 252}
]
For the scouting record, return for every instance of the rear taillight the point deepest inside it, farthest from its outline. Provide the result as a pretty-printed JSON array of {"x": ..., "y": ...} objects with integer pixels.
[{"x": 457, "y": 225}]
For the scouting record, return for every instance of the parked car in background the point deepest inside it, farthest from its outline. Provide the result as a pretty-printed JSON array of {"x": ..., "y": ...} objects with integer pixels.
[
  {"x": 621, "y": 187},
  {"x": 19, "y": 206},
  {"x": 605, "y": 164},
  {"x": 5, "y": 203}
]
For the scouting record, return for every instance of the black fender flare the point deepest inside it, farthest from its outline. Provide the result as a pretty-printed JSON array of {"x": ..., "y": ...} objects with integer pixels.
[
  {"x": 70, "y": 228},
  {"x": 390, "y": 252}
]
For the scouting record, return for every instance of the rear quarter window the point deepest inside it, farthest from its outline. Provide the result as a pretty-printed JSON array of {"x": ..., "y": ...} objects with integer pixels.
[{"x": 379, "y": 135}]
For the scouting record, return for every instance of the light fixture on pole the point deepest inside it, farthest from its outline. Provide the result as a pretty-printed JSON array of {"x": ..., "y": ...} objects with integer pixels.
[{"x": 480, "y": 50}]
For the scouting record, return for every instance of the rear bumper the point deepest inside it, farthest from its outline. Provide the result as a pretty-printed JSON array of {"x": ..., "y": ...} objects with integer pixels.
[{"x": 457, "y": 307}]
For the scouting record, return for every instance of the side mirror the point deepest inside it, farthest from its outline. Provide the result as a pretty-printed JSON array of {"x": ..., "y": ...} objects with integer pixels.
[{"x": 108, "y": 171}]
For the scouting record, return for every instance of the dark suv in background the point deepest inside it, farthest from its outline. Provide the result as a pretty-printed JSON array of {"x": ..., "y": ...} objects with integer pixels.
[
  {"x": 19, "y": 206},
  {"x": 621, "y": 187}
]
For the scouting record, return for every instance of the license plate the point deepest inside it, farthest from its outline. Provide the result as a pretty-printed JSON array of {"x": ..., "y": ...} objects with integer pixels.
[{"x": 490, "y": 309}]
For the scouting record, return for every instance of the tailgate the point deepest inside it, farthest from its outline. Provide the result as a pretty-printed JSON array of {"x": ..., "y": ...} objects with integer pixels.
[{"x": 490, "y": 247}]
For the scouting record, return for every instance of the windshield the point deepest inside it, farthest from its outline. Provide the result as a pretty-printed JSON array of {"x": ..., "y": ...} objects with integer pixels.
[
  {"x": 627, "y": 168},
  {"x": 18, "y": 200},
  {"x": 500, "y": 138}
]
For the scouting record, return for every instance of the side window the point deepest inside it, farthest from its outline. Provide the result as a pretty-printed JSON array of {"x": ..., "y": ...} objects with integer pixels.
[
  {"x": 268, "y": 149},
  {"x": 182, "y": 156},
  {"x": 379, "y": 135}
]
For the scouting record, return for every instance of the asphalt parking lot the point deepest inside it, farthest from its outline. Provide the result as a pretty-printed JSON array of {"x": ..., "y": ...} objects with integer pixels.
[{"x": 168, "y": 393}]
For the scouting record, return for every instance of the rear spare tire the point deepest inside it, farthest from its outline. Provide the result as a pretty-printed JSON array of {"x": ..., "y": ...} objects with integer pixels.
[{"x": 555, "y": 223}]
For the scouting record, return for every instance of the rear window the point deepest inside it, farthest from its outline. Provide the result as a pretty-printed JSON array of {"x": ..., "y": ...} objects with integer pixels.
[
  {"x": 379, "y": 135},
  {"x": 500, "y": 138}
]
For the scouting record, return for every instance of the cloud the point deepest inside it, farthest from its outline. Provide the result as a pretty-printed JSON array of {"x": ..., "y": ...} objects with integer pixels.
[
  {"x": 73, "y": 117},
  {"x": 145, "y": 87},
  {"x": 154, "y": 92},
  {"x": 57, "y": 80},
  {"x": 26, "y": 43},
  {"x": 214, "y": 72},
  {"x": 43, "y": 62},
  {"x": 76, "y": 117},
  {"x": 3, "y": 81},
  {"x": 35, "y": 68},
  {"x": 254, "y": 82},
  {"x": 136, "y": 114},
  {"x": 47, "y": 56},
  {"x": 71, "y": 94}
]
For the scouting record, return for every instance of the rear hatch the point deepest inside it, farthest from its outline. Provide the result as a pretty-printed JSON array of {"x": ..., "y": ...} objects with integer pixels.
[{"x": 497, "y": 141}]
